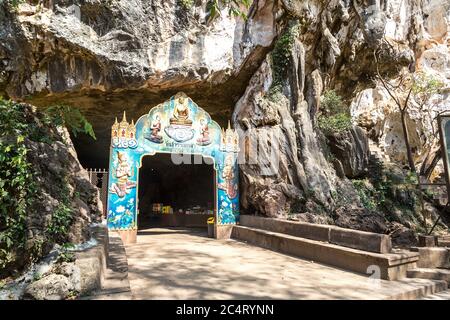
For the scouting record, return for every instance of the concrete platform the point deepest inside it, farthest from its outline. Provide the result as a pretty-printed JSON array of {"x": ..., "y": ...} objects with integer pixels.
[
  {"x": 186, "y": 264},
  {"x": 392, "y": 266}
]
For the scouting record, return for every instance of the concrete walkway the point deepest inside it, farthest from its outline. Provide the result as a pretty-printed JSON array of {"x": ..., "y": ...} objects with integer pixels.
[{"x": 185, "y": 264}]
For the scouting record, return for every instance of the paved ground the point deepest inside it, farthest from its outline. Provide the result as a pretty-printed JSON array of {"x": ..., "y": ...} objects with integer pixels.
[{"x": 185, "y": 264}]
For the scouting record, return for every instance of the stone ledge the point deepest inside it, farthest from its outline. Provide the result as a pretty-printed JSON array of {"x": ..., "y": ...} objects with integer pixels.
[
  {"x": 367, "y": 241},
  {"x": 392, "y": 266},
  {"x": 298, "y": 229},
  {"x": 92, "y": 262},
  {"x": 362, "y": 240},
  {"x": 115, "y": 284}
]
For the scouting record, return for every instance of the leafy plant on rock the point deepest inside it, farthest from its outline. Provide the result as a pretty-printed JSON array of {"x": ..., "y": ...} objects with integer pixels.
[
  {"x": 280, "y": 57},
  {"x": 13, "y": 3},
  {"x": 334, "y": 116},
  {"x": 71, "y": 118},
  {"x": 234, "y": 7},
  {"x": 62, "y": 217},
  {"x": 187, "y": 4},
  {"x": 17, "y": 183},
  {"x": 66, "y": 255}
]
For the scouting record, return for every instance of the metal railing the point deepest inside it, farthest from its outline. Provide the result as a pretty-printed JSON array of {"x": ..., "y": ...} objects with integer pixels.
[{"x": 99, "y": 178}]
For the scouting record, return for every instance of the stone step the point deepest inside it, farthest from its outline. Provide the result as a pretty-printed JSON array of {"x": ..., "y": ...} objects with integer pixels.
[
  {"x": 430, "y": 274},
  {"x": 420, "y": 290},
  {"x": 444, "y": 243},
  {"x": 391, "y": 266},
  {"x": 444, "y": 295},
  {"x": 432, "y": 257}
]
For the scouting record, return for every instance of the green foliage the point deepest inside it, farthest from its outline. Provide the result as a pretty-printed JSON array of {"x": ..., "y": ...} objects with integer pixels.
[
  {"x": 13, "y": 3},
  {"x": 338, "y": 123},
  {"x": 234, "y": 7},
  {"x": 187, "y": 4},
  {"x": 387, "y": 192},
  {"x": 17, "y": 186},
  {"x": 281, "y": 56},
  {"x": 73, "y": 294},
  {"x": 331, "y": 103},
  {"x": 60, "y": 223},
  {"x": 62, "y": 216},
  {"x": 66, "y": 255},
  {"x": 368, "y": 195},
  {"x": 425, "y": 85},
  {"x": 334, "y": 116},
  {"x": 69, "y": 117}
]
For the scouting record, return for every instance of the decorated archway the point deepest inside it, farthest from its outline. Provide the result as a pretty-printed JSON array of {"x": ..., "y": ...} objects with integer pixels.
[{"x": 180, "y": 127}]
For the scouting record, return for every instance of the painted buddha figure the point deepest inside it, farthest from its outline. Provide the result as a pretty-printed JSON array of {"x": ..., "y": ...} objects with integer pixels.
[{"x": 181, "y": 113}]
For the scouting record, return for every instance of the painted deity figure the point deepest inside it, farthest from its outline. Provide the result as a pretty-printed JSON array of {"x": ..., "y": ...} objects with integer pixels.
[
  {"x": 155, "y": 130},
  {"x": 123, "y": 172},
  {"x": 229, "y": 185},
  {"x": 204, "y": 139},
  {"x": 181, "y": 113}
]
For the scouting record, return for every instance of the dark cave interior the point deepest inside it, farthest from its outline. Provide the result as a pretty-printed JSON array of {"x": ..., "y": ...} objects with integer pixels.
[{"x": 182, "y": 186}]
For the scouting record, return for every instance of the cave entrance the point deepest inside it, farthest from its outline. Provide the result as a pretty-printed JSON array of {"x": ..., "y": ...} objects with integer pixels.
[{"x": 176, "y": 195}]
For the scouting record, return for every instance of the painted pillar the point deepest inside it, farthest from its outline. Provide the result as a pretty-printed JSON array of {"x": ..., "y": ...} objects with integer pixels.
[
  {"x": 227, "y": 184},
  {"x": 122, "y": 182},
  {"x": 228, "y": 189}
]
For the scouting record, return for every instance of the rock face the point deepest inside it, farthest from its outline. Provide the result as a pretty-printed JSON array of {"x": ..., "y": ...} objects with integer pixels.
[
  {"x": 289, "y": 161},
  {"x": 51, "y": 287},
  {"x": 351, "y": 149},
  {"x": 267, "y": 73},
  {"x": 427, "y": 33},
  {"x": 58, "y": 284},
  {"x": 59, "y": 161}
]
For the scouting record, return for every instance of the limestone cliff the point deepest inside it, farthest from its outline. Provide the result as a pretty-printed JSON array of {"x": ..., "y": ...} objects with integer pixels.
[{"x": 267, "y": 73}]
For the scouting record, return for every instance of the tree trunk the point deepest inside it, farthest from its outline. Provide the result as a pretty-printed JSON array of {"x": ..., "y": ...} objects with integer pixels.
[
  {"x": 409, "y": 154},
  {"x": 430, "y": 163}
]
